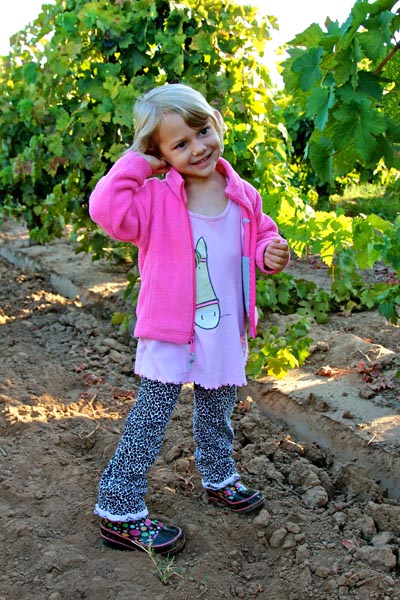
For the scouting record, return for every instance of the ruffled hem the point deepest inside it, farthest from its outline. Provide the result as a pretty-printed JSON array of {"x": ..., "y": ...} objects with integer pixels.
[
  {"x": 218, "y": 486},
  {"x": 219, "y": 386},
  {"x": 194, "y": 381},
  {"x": 161, "y": 379},
  {"x": 105, "y": 514}
]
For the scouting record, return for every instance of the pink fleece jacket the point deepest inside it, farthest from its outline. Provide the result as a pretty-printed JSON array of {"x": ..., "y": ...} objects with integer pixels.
[{"x": 132, "y": 206}]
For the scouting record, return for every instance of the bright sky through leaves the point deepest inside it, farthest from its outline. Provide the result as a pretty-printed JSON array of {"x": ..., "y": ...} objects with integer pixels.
[{"x": 292, "y": 16}]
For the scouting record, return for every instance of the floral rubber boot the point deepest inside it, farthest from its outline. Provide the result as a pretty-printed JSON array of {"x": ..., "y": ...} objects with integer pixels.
[
  {"x": 237, "y": 497},
  {"x": 144, "y": 534}
]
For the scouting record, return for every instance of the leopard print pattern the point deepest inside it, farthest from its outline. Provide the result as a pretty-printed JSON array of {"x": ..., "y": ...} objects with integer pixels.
[{"x": 123, "y": 484}]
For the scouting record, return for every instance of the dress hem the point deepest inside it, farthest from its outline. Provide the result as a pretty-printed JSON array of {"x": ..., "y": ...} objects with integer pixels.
[{"x": 186, "y": 381}]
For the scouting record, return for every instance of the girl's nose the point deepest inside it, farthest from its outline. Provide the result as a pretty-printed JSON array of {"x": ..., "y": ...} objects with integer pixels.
[{"x": 198, "y": 147}]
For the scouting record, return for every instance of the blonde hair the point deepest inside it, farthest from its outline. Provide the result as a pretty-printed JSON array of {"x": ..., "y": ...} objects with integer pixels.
[{"x": 178, "y": 98}]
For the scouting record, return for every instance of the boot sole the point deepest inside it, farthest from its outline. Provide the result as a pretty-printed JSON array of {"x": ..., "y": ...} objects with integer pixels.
[
  {"x": 237, "y": 509},
  {"x": 118, "y": 542}
]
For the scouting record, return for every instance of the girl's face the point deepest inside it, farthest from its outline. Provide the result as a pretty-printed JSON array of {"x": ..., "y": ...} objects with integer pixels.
[{"x": 192, "y": 152}]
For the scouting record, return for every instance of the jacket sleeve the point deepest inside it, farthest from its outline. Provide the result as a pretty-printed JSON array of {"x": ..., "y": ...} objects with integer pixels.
[
  {"x": 117, "y": 202},
  {"x": 267, "y": 230}
]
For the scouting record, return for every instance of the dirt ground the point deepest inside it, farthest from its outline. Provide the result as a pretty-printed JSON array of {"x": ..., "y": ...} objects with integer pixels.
[{"x": 327, "y": 531}]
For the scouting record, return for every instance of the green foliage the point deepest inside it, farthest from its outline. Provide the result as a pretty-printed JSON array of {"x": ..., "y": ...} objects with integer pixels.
[
  {"x": 367, "y": 198},
  {"x": 372, "y": 238},
  {"x": 388, "y": 300},
  {"x": 126, "y": 321},
  {"x": 346, "y": 83},
  {"x": 287, "y": 295},
  {"x": 69, "y": 85},
  {"x": 275, "y": 352}
]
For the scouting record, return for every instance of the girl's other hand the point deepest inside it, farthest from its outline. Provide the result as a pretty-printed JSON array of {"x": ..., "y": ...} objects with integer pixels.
[
  {"x": 158, "y": 165},
  {"x": 276, "y": 255}
]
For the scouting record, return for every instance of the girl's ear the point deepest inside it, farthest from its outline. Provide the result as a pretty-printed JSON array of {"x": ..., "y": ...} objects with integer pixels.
[
  {"x": 219, "y": 118},
  {"x": 221, "y": 128}
]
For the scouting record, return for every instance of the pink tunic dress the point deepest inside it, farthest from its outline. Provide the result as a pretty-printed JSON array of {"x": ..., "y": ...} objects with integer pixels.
[{"x": 220, "y": 342}]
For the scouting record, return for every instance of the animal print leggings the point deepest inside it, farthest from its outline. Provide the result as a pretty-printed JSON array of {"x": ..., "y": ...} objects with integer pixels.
[{"x": 123, "y": 484}]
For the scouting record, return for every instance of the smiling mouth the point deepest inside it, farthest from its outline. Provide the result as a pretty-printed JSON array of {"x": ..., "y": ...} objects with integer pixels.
[{"x": 202, "y": 160}]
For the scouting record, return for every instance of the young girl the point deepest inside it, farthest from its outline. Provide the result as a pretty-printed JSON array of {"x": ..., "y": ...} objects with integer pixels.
[{"x": 201, "y": 233}]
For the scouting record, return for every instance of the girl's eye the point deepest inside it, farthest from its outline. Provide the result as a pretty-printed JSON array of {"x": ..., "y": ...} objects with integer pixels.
[
  {"x": 204, "y": 131},
  {"x": 180, "y": 145}
]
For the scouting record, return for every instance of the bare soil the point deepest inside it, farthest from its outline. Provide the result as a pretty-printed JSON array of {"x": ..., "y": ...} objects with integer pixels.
[{"x": 327, "y": 531}]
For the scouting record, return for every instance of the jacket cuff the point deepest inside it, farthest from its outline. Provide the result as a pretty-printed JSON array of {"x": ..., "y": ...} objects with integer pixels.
[{"x": 142, "y": 167}]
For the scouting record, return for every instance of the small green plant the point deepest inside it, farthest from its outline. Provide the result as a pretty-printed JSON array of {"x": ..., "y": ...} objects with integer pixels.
[
  {"x": 282, "y": 293},
  {"x": 317, "y": 305},
  {"x": 388, "y": 302},
  {"x": 164, "y": 565},
  {"x": 276, "y": 352},
  {"x": 126, "y": 321},
  {"x": 276, "y": 293}
]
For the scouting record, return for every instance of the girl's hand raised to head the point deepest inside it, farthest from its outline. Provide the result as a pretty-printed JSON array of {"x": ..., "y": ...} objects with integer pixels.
[
  {"x": 159, "y": 165},
  {"x": 276, "y": 255}
]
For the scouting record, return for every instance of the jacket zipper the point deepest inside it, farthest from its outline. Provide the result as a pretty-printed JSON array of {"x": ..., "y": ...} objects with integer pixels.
[{"x": 191, "y": 338}]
